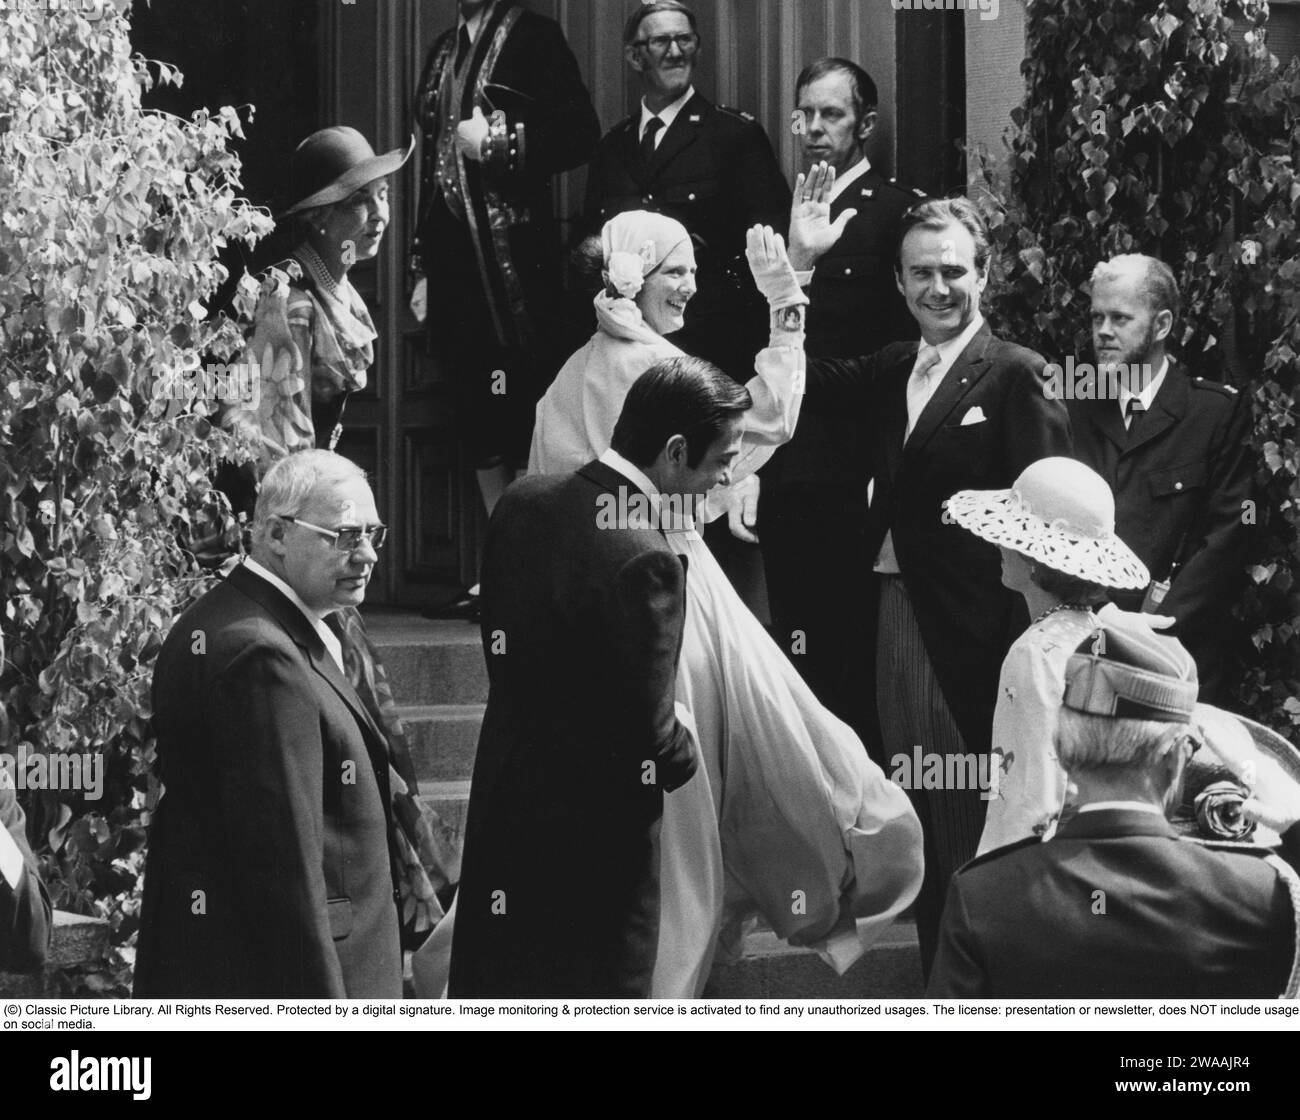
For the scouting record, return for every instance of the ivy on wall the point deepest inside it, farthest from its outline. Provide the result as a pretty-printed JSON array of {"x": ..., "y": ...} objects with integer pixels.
[
  {"x": 1160, "y": 128},
  {"x": 112, "y": 225}
]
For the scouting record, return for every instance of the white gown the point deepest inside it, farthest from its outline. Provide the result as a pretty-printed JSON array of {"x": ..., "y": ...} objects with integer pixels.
[{"x": 786, "y": 816}]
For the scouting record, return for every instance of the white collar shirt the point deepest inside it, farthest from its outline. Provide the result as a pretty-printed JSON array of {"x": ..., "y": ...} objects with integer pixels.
[
  {"x": 1131, "y": 806},
  {"x": 667, "y": 115},
  {"x": 919, "y": 392},
  {"x": 851, "y": 176},
  {"x": 949, "y": 352},
  {"x": 636, "y": 476},
  {"x": 1145, "y": 398},
  {"x": 331, "y": 640}
]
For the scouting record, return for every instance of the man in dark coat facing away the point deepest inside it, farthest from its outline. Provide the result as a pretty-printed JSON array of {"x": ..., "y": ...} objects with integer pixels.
[{"x": 559, "y": 894}]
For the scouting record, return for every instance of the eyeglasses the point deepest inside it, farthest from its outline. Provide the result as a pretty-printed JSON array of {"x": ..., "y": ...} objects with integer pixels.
[
  {"x": 659, "y": 44},
  {"x": 348, "y": 540}
]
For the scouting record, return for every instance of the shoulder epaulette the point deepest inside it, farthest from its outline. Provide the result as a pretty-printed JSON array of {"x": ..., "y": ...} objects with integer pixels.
[
  {"x": 914, "y": 192},
  {"x": 1027, "y": 842},
  {"x": 1217, "y": 386},
  {"x": 741, "y": 113}
]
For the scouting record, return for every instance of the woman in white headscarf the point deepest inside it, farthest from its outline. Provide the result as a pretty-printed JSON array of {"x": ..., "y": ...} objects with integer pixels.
[{"x": 787, "y": 817}]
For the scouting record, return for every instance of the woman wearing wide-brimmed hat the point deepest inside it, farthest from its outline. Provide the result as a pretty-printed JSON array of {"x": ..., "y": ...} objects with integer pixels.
[
  {"x": 313, "y": 338},
  {"x": 313, "y": 345},
  {"x": 1056, "y": 530}
]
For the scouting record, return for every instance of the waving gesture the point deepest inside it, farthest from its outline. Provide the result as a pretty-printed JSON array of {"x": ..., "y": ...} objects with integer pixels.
[
  {"x": 765, "y": 251},
  {"x": 812, "y": 232}
]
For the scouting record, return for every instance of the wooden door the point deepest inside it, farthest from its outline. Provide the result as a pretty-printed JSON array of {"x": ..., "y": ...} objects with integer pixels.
[{"x": 403, "y": 428}]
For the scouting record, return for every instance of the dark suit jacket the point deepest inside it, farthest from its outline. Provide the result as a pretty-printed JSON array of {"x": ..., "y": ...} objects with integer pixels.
[
  {"x": 967, "y": 618},
  {"x": 275, "y": 808},
  {"x": 26, "y": 920},
  {"x": 536, "y": 83},
  {"x": 1180, "y": 475},
  {"x": 582, "y": 627},
  {"x": 1174, "y": 919},
  {"x": 715, "y": 172}
]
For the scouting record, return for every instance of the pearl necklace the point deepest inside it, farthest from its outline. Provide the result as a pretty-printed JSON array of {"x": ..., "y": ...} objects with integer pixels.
[
  {"x": 319, "y": 272},
  {"x": 1063, "y": 607}
]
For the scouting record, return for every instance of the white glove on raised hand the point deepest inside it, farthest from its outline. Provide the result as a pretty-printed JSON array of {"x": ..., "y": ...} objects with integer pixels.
[
  {"x": 765, "y": 251},
  {"x": 470, "y": 135}
]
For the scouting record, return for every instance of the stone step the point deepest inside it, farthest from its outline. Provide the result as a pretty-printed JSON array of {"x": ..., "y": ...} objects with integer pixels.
[
  {"x": 449, "y": 800},
  {"x": 771, "y": 970},
  {"x": 443, "y": 739},
  {"x": 430, "y": 663},
  {"x": 75, "y": 942}
]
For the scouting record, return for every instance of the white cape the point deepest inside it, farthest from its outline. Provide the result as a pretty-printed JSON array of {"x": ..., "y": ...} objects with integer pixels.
[{"x": 786, "y": 817}]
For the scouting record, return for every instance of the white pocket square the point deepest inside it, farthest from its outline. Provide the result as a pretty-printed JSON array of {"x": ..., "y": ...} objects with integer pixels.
[{"x": 974, "y": 416}]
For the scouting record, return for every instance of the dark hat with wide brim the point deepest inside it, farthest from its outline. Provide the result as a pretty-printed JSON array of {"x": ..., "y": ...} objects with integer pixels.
[{"x": 332, "y": 163}]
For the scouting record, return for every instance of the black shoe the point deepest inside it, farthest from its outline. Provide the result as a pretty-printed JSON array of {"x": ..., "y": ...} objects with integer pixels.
[{"x": 465, "y": 606}]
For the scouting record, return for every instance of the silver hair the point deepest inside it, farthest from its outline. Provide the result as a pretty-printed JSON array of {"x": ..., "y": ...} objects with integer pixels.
[
  {"x": 1155, "y": 277},
  {"x": 289, "y": 485},
  {"x": 1092, "y": 742}
]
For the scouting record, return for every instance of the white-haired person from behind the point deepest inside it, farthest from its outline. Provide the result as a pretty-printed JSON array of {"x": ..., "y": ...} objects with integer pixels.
[
  {"x": 1166, "y": 883},
  {"x": 1055, "y": 529}
]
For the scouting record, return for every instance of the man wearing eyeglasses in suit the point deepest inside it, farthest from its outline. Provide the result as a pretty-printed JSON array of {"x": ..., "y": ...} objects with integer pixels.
[{"x": 269, "y": 873}]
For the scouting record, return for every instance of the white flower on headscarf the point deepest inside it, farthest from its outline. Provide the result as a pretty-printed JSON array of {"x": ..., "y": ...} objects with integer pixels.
[{"x": 625, "y": 272}]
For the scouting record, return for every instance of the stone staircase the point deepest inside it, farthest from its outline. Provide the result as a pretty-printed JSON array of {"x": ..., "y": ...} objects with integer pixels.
[{"x": 440, "y": 682}]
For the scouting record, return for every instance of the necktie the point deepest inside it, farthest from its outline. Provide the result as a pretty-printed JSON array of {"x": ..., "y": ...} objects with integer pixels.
[
  {"x": 652, "y": 127},
  {"x": 462, "y": 46},
  {"x": 1132, "y": 407},
  {"x": 919, "y": 389}
]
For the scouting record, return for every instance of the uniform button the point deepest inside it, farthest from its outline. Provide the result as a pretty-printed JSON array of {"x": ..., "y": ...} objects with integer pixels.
[
  {"x": 1178, "y": 485},
  {"x": 848, "y": 272},
  {"x": 692, "y": 197}
]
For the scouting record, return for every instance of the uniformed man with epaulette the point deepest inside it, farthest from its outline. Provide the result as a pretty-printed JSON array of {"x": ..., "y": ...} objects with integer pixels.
[
  {"x": 1121, "y": 903},
  {"x": 1173, "y": 449},
  {"x": 813, "y": 510},
  {"x": 711, "y": 168}
]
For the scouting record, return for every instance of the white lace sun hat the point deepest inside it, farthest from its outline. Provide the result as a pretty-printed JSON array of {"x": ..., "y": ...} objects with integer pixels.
[{"x": 1060, "y": 513}]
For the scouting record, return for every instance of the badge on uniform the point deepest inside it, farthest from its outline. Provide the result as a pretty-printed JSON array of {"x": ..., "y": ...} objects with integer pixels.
[
  {"x": 867, "y": 192},
  {"x": 695, "y": 118}
]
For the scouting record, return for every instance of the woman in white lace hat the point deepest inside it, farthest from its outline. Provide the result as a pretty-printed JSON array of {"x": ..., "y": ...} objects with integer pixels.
[{"x": 1056, "y": 530}]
